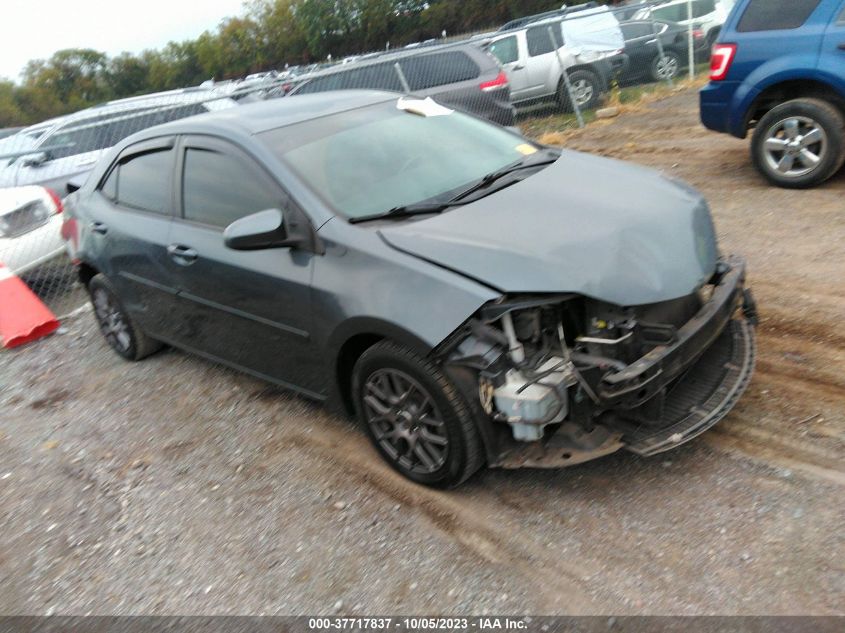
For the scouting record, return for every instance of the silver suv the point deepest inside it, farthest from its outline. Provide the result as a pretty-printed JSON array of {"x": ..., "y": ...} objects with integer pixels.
[
  {"x": 588, "y": 45},
  {"x": 56, "y": 151}
]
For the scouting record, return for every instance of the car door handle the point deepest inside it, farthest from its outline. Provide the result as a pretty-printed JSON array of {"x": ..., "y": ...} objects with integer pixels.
[
  {"x": 87, "y": 163},
  {"x": 182, "y": 255},
  {"x": 518, "y": 67},
  {"x": 99, "y": 228}
]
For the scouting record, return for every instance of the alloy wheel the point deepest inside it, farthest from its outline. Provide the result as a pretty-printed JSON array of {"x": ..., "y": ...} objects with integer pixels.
[
  {"x": 667, "y": 67},
  {"x": 405, "y": 421},
  {"x": 795, "y": 146},
  {"x": 583, "y": 91},
  {"x": 111, "y": 321}
]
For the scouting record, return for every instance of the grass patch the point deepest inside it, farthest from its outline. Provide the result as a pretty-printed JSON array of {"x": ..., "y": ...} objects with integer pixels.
[{"x": 548, "y": 125}]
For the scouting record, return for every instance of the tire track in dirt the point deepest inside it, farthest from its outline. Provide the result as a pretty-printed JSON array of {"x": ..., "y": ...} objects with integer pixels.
[
  {"x": 560, "y": 586},
  {"x": 772, "y": 451},
  {"x": 812, "y": 382}
]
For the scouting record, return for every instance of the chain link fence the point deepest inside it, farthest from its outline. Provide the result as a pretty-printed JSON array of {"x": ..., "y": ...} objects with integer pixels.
[{"x": 554, "y": 72}]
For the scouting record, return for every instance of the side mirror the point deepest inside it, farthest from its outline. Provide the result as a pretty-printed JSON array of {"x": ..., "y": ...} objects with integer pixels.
[
  {"x": 75, "y": 183},
  {"x": 34, "y": 160},
  {"x": 265, "y": 229}
]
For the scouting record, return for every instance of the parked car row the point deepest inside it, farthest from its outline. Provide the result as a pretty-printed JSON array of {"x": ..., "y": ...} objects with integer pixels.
[
  {"x": 596, "y": 45},
  {"x": 38, "y": 162},
  {"x": 53, "y": 152}
]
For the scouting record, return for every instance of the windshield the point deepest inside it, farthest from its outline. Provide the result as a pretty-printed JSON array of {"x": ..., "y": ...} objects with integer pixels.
[{"x": 378, "y": 158}]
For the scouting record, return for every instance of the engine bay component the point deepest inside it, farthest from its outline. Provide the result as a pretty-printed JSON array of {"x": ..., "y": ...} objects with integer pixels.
[{"x": 529, "y": 403}]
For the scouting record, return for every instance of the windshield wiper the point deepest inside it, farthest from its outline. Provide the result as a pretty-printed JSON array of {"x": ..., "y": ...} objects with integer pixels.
[
  {"x": 539, "y": 159},
  {"x": 405, "y": 211},
  {"x": 535, "y": 160}
]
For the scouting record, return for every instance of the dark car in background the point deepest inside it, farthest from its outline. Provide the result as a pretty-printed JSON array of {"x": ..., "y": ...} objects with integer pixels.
[
  {"x": 473, "y": 297},
  {"x": 461, "y": 76},
  {"x": 646, "y": 60},
  {"x": 778, "y": 69}
]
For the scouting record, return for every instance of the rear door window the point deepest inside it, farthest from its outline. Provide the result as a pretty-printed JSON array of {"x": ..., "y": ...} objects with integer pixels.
[
  {"x": 440, "y": 69},
  {"x": 700, "y": 8},
  {"x": 142, "y": 182},
  {"x": 77, "y": 141},
  {"x": 539, "y": 41},
  {"x": 774, "y": 15},
  {"x": 636, "y": 30},
  {"x": 375, "y": 77},
  {"x": 506, "y": 50},
  {"x": 219, "y": 188},
  {"x": 673, "y": 13}
]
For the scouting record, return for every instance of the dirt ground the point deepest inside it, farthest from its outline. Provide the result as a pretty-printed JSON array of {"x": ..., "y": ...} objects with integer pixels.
[{"x": 176, "y": 486}]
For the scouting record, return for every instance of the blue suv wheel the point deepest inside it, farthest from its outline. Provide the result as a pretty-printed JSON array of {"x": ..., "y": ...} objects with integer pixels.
[{"x": 799, "y": 143}]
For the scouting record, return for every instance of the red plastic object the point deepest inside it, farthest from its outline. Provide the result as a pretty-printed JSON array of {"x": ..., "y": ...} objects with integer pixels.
[{"x": 23, "y": 318}]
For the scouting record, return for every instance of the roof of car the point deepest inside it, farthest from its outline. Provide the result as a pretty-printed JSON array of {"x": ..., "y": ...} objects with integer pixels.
[
  {"x": 275, "y": 113},
  {"x": 389, "y": 56}
]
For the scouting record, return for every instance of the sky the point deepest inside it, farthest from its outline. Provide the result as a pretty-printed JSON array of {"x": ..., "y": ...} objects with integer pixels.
[{"x": 35, "y": 29}]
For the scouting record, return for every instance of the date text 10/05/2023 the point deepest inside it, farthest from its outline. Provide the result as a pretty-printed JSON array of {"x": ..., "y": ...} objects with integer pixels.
[{"x": 418, "y": 623}]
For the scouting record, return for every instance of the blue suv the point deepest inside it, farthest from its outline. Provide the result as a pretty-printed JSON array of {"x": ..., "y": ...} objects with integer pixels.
[{"x": 779, "y": 68}]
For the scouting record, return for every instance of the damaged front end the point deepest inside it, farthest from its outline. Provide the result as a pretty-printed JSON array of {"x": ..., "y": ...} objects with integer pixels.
[{"x": 564, "y": 379}]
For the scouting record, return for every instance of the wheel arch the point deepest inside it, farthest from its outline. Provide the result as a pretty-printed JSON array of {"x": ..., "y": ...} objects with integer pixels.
[
  {"x": 590, "y": 68},
  {"x": 788, "y": 90},
  {"x": 355, "y": 337},
  {"x": 359, "y": 335},
  {"x": 86, "y": 272}
]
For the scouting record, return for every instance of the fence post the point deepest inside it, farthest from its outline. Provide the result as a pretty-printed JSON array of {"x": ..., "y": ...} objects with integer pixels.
[
  {"x": 566, "y": 81},
  {"x": 402, "y": 79},
  {"x": 691, "y": 41},
  {"x": 660, "y": 50}
]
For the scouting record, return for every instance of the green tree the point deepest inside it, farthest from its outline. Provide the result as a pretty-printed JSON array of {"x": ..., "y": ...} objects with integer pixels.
[
  {"x": 10, "y": 112},
  {"x": 75, "y": 76},
  {"x": 128, "y": 74},
  {"x": 280, "y": 34}
]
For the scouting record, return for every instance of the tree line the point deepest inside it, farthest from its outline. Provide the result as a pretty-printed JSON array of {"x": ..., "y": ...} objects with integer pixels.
[{"x": 269, "y": 35}]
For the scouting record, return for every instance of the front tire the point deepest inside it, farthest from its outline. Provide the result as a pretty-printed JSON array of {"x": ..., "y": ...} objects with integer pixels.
[
  {"x": 800, "y": 143},
  {"x": 415, "y": 416},
  {"x": 118, "y": 328}
]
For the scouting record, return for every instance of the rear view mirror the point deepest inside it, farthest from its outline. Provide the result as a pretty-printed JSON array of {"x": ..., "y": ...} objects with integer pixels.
[{"x": 265, "y": 229}]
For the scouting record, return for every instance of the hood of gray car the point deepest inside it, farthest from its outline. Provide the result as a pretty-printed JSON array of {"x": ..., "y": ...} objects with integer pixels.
[{"x": 597, "y": 227}]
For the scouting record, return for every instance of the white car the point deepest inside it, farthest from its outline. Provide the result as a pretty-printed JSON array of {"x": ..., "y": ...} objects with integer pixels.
[
  {"x": 30, "y": 227},
  {"x": 707, "y": 15},
  {"x": 52, "y": 153},
  {"x": 589, "y": 46}
]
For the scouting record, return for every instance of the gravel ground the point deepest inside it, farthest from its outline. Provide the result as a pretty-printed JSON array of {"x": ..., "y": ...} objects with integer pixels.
[{"x": 177, "y": 486}]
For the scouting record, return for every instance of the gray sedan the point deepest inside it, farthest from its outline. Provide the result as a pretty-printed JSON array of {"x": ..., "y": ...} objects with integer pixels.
[{"x": 471, "y": 296}]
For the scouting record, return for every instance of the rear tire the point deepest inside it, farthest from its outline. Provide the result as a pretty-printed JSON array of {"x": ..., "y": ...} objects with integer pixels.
[
  {"x": 800, "y": 143},
  {"x": 118, "y": 328},
  {"x": 415, "y": 416},
  {"x": 586, "y": 88}
]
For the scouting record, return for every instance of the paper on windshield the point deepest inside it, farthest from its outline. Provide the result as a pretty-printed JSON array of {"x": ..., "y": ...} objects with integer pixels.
[{"x": 423, "y": 107}]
